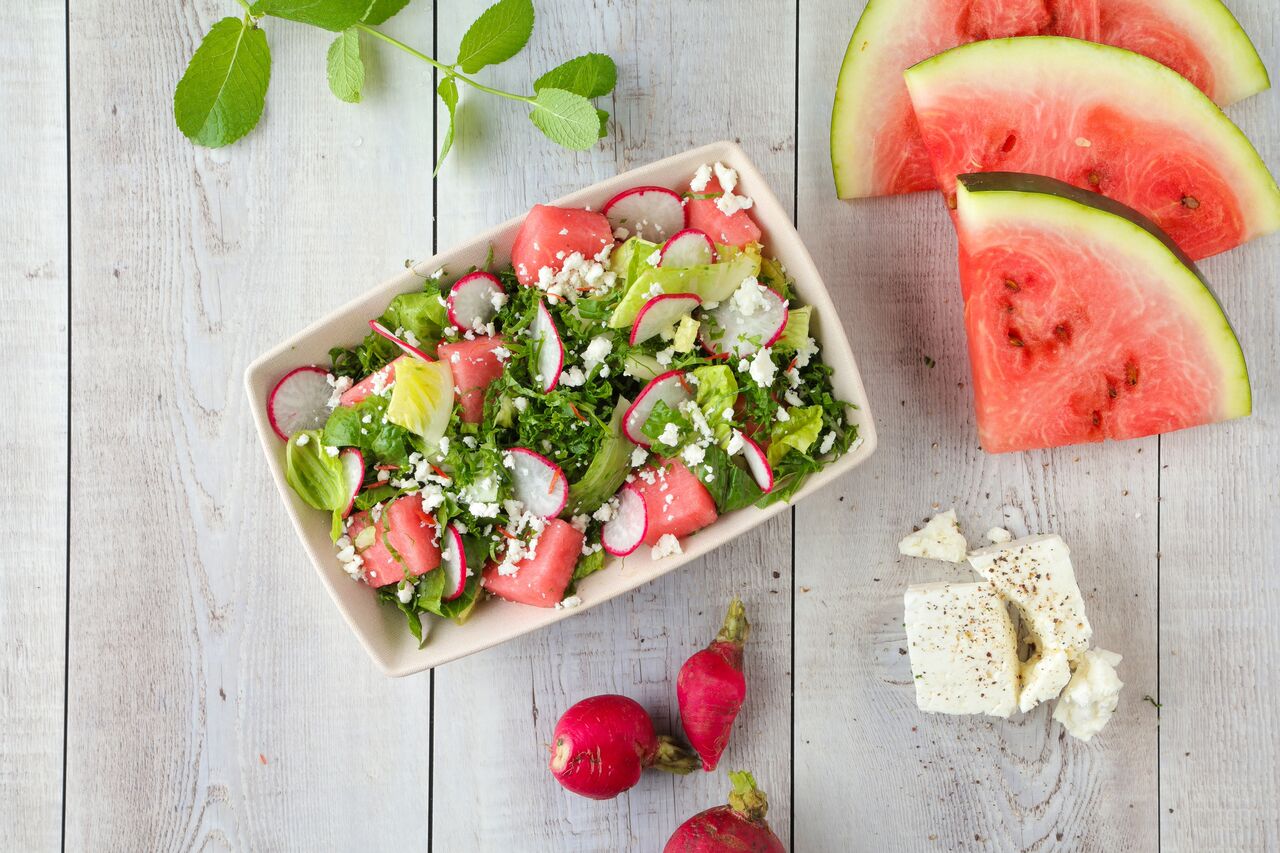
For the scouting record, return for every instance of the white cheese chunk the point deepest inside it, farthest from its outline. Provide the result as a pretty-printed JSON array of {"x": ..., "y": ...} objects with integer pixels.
[
  {"x": 1035, "y": 574},
  {"x": 964, "y": 653},
  {"x": 1091, "y": 696},
  {"x": 940, "y": 539}
]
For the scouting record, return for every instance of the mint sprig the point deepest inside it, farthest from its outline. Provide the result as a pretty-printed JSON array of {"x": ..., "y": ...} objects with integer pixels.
[{"x": 221, "y": 95}]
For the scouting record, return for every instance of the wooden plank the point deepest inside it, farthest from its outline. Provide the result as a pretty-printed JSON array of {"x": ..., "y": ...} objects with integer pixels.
[
  {"x": 869, "y": 765},
  {"x": 33, "y": 325},
  {"x": 486, "y": 738},
  {"x": 1220, "y": 546},
  {"x": 217, "y": 699}
]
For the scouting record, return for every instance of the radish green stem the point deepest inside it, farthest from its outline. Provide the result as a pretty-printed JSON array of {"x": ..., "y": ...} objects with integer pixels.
[
  {"x": 451, "y": 70},
  {"x": 736, "y": 627},
  {"x": 745, "y": 798}
]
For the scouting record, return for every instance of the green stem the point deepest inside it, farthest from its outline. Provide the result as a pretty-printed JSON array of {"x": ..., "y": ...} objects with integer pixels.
[{"x": 448, "y": 69}]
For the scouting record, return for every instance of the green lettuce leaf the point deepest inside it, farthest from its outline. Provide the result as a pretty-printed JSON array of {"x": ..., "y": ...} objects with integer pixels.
[
  {"x": 713, "y": 282},
  {"x": 796, "y": 332},
  {"x": 798, "y": 432},
  {"x": 608, "y": 468},
  {"x": 730, "y": 484},
  {"x": 717, "y": 392}
]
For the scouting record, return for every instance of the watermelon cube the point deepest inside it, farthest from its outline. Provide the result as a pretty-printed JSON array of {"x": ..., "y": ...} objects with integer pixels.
[
  {"x": 542, "y": 579},
  {"x": 363, "y": 389},
  {"x": 549, "y": 234},
  {"x": 407, "y": 529},
  {"x": 474, "y": 364},
  {"x": 735, "y": 229},
  {"x": 676, "y": 501}
]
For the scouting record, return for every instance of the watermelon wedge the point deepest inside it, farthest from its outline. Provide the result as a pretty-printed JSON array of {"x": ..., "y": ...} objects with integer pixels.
[
  {"x": 875, "y": 144},
  {"x": 675, "y": 501},
  {"x": 540, "y": 580},
  {"x": 1085, "y": 322},
  {"x": 475, "y": 364},
  {"x": 1103, "y": 119}
]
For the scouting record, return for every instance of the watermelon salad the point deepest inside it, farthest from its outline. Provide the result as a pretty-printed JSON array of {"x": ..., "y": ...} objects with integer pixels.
[{"x": 632, "y": 374}]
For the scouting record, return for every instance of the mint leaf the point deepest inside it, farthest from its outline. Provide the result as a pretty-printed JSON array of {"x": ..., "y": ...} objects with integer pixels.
[
  {"x": 566, "y": 119},
  {"x": 590, "y": 76},
  {"x": 498, "y": 34},
  {"x": 334, "y": 15},
  {"x": 346, "y": 68},
  {"x": 380, "y": 11},
  {"x": 604, "y": 122},
  {"x": 220, "y": 96},
  {"x": 448, "y": 92}
]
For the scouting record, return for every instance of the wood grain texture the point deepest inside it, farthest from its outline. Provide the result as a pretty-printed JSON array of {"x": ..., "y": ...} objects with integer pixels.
[
  {"x": 33, "y": 326},
  {"x": 217, "y": 700},
  {"x": 871, "y": 770},
  {"x": 495, "y": 713},
  {"x": 1220, "y": 551}
]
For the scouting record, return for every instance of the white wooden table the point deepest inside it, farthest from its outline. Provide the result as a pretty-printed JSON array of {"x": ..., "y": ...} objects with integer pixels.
[{"x": 172, "y": 676}]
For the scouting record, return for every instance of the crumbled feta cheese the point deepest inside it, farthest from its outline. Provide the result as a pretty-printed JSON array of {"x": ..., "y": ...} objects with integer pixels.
[
  {"x": 569, "y": 603},
  {"x": 606, "y": 510},
  {"x": 940, "y": 539},
  {"x": 638, "y": 456},
  {"x": 762, "y": 369},
  {"x": 792, "y": 398},
  {"x": 828, "y": 441},
  {"x": 750, "y": 298},
  {"x": 998, "y": 536},
  {"x": 701, "y": 179},
  {"x": 782, "y": 415},
  {"x": 727, "y": 177},
  {"x": 693, "y": 454},
  {"x": 332, "y": 451},
  {"x": 596, "y": 352},
  {"x": 573, "y": 377},
  {"x": 339, "y": 384},
  {"x": 664, "y": 356},
  {"x": 666, "y": 546},
  {"x": 621, "y": 233},
  {"x": 736, "y": 443},
  {"x": 670, "y": 435},
  {"x": 580, "y": 522},
  {"x": 654, "y": 258},
  {"x": 303, "y": 440},
  {"x": 521, "y": 403},
  {"x": 1089, "y": 700},
  {"x": 481, "y": 509},
  {"x": 499, "y": 299},
  {"x": 406, "y": 592}
]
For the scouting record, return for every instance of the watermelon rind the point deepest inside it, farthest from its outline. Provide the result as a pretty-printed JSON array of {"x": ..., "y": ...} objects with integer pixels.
[
  {"x": 1238, "y": 70},
  {"x": 1129, "y": 82},
  {"x": 996, "y": 198},
  {"x": 853, "y": 167}
]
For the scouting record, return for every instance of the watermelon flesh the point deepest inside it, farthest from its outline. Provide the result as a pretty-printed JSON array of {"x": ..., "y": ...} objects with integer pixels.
[
  {"x": 542, "y": 579},
  {"x": 405, "y": 540},
  {"x": 539, "y": 242},
  {"x": 675, "y": 500},
  {"x": 734, "y": 229},
  {"x": 474, "y": 364},
  {"x": 1084, "y": 321},
  {"x": 1082, "y": 113},
  {"x": 876, "y": 147},
  {"x": 364, "y": 389}
]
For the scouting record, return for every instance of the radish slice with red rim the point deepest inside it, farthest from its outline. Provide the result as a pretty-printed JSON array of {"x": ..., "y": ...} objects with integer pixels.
[
  {"x": 409, "y": 348},
  {"x": 622, "y": 534},
  {"x": 758, "y": 464},
  {"x": 300, "y": 400},
  {"x": 689, "y": 248},
  {"x": 471, "y": 301},
  {"x": 352, "y": 473},
  {"x": 671, "y": 388},
  {"x": 650, "y": 213},
  {"x": 453, "y": 562},
  {"x": 662, "y": 312},
  {"x": 538, "y": 483},
  {"x": 736, "y": 333},
  {"x": 549, "y": 358}
]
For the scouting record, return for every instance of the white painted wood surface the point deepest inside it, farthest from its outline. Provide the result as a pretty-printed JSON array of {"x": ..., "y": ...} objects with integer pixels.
[{"x": 214, "y": 698}]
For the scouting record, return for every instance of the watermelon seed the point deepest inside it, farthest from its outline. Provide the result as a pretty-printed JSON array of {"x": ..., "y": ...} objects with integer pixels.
[
  {"x": 1097, "y": 418},
  {"x": 1094, "y": 179},
  {"x": 1131, "y": 374},
  {"x": 951, "y": 201},
  {"x": 1010, "y": 141},
  {"x": 1190, "y": 202},
  {"x": 1011, "y": 284},
  {"x": 1014, "y": 340},
  {"x": 1112, "y": 391},
  {"x": 1063, "y": 331}
]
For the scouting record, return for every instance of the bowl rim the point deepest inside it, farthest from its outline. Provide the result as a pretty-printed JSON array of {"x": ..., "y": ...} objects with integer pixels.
[{"x": 773, "y": 219}]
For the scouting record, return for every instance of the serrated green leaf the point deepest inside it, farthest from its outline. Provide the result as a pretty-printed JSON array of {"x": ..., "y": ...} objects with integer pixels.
[
  {"x": 380, "y": 11},
  {"x": 604, "y": 122},
  {"x": 346, "y": 67},
  {"x": 448, "y": 92},
  {"x": 498, "y": 34},
  {"x": 590, "y": 75},
  {"x": 566, "y": 119},
  {"x": 220, "y": 96},
  {"x": 336, "y": 15}
]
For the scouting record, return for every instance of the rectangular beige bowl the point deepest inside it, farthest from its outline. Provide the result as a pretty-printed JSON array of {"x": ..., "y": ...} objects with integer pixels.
[{"x": 382, "y": 629}]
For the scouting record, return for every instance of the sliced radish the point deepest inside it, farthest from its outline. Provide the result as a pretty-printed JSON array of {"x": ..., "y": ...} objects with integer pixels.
[
  {"x": 740, "y": 334},
  {"x": 758, "y": 464},
  {"x": 453, "y": 562},
  {"x": 353, "y": 473},
  {"x": 546, "y": 341},
  {"x": 662, "y": 312},
  {"x": 622, "y": 534},
  {"x": 689, "y": 248},
  {"x": 471, "y": 300},
  {"x": 299, "y": 401},
  {"x": 409, "y": 348},
  {"x": 650, "y": 213},
  {"x": 538, "y": 483},
  {"x": 671, "y": 388}
]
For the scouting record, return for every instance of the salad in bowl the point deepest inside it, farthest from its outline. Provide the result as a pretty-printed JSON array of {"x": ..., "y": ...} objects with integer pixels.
[{"x": 628, "y": 376}]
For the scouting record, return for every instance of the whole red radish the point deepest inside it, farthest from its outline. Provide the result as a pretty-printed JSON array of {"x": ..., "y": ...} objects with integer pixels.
[
  {"x": 603, "y": 744},
  {"x": 711, "y": 688},
  {"x": 739, "y": 826}
]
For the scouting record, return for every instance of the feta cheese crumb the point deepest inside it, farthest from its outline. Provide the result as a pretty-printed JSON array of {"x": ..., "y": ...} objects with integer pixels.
[
  {"x": 828, "y": 441},
  {"x": 998, "y": 536},
  {"x": 736, "y": 443},
  {"x": 694, "y": 454},
  {"x": 940, "y": 539},
  {"x": 664, "y": 356},
  {"x": 666, "y": 546},
  {"x": 670, "y": 435},
  {"x": 303, "y": 440},
  {"x": 638, "y": 456},
  {"x": 762, "y": 368},
  {"x": 569, "y": 603},
  {"x": 1090, "y": 699},
  {"x": 750, "y": 298},
  {"x": 701, "y": 179},
  {"x": 596, "y": 352}
]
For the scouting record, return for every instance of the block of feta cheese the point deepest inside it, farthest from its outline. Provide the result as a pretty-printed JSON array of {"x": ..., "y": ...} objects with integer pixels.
[
  {"x": 964, "y": 653},
  {"x": 1092, "y": 694},
  {"x": 1035, "y": 574},
  {"x": 940, "y": 539}
]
